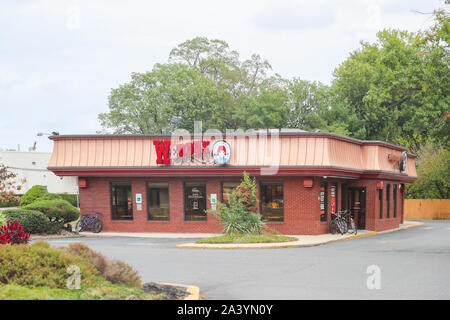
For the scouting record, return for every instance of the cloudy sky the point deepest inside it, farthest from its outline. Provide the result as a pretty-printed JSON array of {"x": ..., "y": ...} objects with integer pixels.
[{"x": 60, "y": 59}]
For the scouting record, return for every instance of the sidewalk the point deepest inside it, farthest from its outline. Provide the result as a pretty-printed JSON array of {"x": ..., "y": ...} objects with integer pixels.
[{"x": 303, "y": 240}]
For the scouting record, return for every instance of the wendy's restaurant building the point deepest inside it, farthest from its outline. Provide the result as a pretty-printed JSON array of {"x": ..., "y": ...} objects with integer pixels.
[{"x": 164, "y": 183}]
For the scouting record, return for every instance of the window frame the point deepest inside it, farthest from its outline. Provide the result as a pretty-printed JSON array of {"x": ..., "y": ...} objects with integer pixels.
[
  {"x": 148, "y": 200},
  {"x": 185, "y": 201},
  {"x": 120, "y": 183},
  {"x": 388, "y": 201},
  {"x": 323, "y": 217},
  {"x": 261, "y": 202},
  {"x": 395, "y": 200},
  {"x": 221, "y": 187},
  {"x": 380, "y": 202}
]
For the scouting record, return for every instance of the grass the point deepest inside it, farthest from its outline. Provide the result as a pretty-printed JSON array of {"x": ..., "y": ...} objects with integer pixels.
[
  {"x": 110, "y": 292},
  {"x": 248, "y": 238}
]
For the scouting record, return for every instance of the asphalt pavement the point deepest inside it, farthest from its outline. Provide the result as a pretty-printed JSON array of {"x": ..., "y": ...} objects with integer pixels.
[{"x": 405, "y": 264}]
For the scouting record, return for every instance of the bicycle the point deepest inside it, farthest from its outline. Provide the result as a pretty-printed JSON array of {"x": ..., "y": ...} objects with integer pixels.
[
  {"x": 88, "y": 222},
  {"x": 337, "y": 223},
  {"x": 351, "y": 226}
]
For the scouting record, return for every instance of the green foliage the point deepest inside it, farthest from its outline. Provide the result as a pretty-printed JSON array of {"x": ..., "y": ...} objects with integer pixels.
[
  {"x": 39, "y": 265},
  {"x": 38, "y": 271},
  {"x": 248, "y": 238},
  {"x": 120, "y": 272},
  {"x": 433, "y": 174},
  {"x": 31, "y": 220},
  {"x": 71, "y": 198},
  {"x": 58, "y": 211},
  {"x": 239, "y": 216},
  {"x": 398, "y": 87},
  {"x": 33, "y": 194},
  {"x": 114, "y": 271}
]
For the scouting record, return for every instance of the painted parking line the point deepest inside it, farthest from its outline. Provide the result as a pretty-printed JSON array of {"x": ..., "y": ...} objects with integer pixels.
[
  {"x": 386, "y": 241},
  {"x": 428, "y": 228}
]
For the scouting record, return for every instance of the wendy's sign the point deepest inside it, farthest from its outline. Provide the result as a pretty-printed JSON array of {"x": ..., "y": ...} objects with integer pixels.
[{"x": 195, "y": 151}]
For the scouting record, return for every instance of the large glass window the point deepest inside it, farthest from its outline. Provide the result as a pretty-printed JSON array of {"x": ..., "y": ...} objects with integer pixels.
[
  {"x": 380, "y": 198},
  {"x": 194, "y": 201},
  {"x": 158, "y": 201},
  {"x": 388, "y": 201},
  {"x": 121, "y": 201},
  {"x": 227, "y": 189},
  {"x": 395, "y": 200},
  {"x": 272, "y": 203}
]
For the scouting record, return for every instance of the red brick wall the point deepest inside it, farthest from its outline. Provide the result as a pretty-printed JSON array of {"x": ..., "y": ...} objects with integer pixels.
[{"x": 301, "y": 205}]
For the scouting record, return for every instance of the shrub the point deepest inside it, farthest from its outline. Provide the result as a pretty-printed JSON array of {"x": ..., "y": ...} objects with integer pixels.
[
  {"x": 42, "y": 266},
  {"x": 13, "y": 233},
  {"x": 120, "y": 272},
  {"x": 31, "y": 220},
  {"x": 85, "y": 252},
  {"x": 57, "y": 211},
  {"x": 114, "y": 271},
  {"x": 33, "y": 194},
  {"x": 71, "y": 198},
  {"x": 239, "y": 215}
]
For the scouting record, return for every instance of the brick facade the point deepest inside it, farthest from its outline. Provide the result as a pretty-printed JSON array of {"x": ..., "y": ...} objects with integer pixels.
[{"x": 301, "y": 204}]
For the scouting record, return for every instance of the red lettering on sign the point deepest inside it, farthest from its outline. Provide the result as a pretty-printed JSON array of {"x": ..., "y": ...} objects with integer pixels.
[
  {"x": 205, "y": 147},
  {"x": 162, "y": 151}
]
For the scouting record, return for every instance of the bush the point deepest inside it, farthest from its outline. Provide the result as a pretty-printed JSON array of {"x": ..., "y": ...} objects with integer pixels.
[
  {"x": 85, "y": 252},
  {"x": 57, "y": 211},
  {"x": 114, "y": 271},
  {"x": 12, "y": 203},
  {"x": 239, "y": 215},
  {"x": 12, "y": 233},
  {"x": 33, "y": 194},
  {"x": 120, "y": 272},
  {"x": 31, "y": 220},
  {"x": 42, "y": 266},
  {"x": 71, "y": 198}
]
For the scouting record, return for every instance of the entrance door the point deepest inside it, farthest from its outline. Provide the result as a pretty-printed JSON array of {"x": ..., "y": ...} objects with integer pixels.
[
  {"x": 194, "y": 201},
  {"x": 357, "y": 206}
]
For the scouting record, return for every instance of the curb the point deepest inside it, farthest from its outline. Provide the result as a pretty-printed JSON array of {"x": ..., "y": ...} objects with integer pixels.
[
  {"x": 39, "y": 238},
  {"x": 295, "y": 244},
  {"x": 192, "y": 246},
  {"x": 194, "y": 291}
]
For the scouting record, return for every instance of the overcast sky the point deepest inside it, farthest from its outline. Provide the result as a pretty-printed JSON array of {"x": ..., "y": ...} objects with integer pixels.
[{"x": 60, "y": 59}]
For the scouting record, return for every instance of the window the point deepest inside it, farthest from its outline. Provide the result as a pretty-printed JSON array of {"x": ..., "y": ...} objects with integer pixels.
[
  {"x": 158, "y": 201},
  {"x": 388, "y": 200},
  {"x": 194, "y": 201},
  {"x": 227, "y": 190},
  {"x": 323, "y": 201},
  {"x": 272, "y": 204},
  {"x": 395, "y": 201},
  {"x": 121, "y": 201},
  {"x": 380, "y": 197},
  {"x": 334, "y": 198}
]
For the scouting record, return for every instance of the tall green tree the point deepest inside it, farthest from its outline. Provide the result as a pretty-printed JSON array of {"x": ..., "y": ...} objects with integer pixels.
[{"x": 399, "y": 86}]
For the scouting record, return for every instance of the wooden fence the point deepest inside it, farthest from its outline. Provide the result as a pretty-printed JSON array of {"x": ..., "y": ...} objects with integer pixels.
[{"x": 427, "y": 209}]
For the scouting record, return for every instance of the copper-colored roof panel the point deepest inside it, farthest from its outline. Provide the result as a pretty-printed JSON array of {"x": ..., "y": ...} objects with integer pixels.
[{"x": 246, "y": 151}]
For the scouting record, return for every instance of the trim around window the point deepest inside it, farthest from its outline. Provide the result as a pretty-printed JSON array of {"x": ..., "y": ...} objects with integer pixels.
[
  {"x": 128, "y": 210},
  {"x": 278, "y": 202}
]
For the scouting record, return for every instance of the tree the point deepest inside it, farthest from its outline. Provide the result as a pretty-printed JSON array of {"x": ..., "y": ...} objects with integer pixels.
[
  {"x": 9, "y": 185},
  {"x": 433, "y": 174},
  {"x": 399, "y": 86}
]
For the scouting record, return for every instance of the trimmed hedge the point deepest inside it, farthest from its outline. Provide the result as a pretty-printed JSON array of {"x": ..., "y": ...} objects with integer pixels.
[
  {"x": 33, "y": 194},
  {"x": 58, "y": 211},
  {"x": 31, "y": 220},
  {"x": 71, "y": 198}
]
